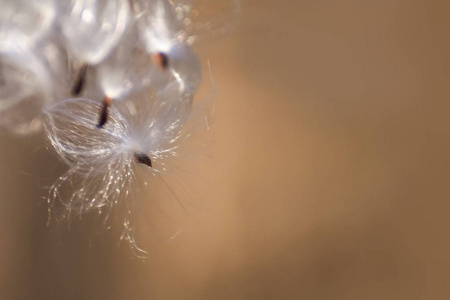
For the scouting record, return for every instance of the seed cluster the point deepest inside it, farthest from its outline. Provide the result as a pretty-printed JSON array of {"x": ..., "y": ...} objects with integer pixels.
[{"x": 112, "y": 83}]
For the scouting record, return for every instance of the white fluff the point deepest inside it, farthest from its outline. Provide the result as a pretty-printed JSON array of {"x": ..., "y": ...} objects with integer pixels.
[
  {"x": 134, "y": 60},
  {"x": 93, "y": 28},
  {"x": 104, "y": 174}
]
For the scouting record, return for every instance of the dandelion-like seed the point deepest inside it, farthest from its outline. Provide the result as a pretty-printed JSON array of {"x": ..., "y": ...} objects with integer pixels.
[
  {"x": 104, "y": 164},
  {"x": 91, "y": 30}
]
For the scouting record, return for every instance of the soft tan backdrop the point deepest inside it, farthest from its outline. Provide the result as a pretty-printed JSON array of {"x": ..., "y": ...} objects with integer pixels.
[{"x": 330, "y": 172}]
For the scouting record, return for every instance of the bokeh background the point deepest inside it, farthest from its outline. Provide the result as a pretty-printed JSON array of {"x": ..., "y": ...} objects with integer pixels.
[{"x": 329, "y": 172}]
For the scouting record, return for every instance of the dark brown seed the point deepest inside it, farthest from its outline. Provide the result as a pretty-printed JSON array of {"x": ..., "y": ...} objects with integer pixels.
[
  {"x": 161, "y": 60},
  {"x": 80, "y": 79},
  {"x": 103, "y": 118},
  {"x": 143, "y": 158}
]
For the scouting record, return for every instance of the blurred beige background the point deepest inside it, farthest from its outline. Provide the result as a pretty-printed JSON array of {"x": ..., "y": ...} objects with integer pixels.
[{"x": 331, "y": 156}]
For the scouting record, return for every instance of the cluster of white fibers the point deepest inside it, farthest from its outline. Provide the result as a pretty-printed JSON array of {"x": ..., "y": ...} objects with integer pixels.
[
  {"x": 106, "y": 168},
  {"x": 57, "y": 49},
  {"x": 113, "y": 82}
]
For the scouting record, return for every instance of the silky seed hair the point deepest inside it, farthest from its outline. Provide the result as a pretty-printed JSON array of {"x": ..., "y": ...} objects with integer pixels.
[{"x": 110, "y": 167}]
